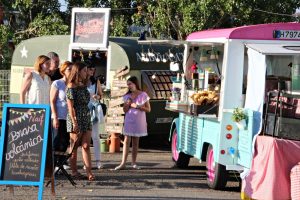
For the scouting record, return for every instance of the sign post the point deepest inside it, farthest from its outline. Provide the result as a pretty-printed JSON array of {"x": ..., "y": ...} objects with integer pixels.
[
  {"x": 23, "y": 145},
  {"x": 115, "y": 118}
]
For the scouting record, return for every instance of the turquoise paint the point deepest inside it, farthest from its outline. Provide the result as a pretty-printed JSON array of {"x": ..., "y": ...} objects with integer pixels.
[
  {"x": 193, "y": 132},
  {"x": 240, "y": 143}
]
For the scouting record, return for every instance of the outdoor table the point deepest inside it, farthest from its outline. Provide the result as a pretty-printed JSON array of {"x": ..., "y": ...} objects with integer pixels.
[{"x": 269, "y": 177}]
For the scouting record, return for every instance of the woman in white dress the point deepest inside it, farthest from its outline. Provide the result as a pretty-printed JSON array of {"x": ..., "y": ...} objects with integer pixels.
[
  {"x": 36, "y": 84},
  {"x": 94, "y": 87}
]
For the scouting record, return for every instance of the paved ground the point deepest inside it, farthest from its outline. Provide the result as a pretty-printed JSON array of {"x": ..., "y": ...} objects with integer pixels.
[{"x": 156, "y": 180}]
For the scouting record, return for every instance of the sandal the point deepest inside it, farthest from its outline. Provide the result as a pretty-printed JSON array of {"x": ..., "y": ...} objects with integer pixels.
[
  {"x": 136, "y": 167},
  {"x": 120, "y": 167},
  {"x": 91, "y": 177}
]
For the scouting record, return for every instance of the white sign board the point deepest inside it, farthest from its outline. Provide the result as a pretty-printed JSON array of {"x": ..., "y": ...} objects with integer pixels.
[{"x": 89, "y": 27}]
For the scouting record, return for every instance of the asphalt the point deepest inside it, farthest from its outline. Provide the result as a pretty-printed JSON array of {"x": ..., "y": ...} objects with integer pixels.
[{"x": 158, "y": 179}]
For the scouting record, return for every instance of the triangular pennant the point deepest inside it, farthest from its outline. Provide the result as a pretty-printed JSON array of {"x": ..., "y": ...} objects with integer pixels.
[
  {"x": 19, "y": 119},
  {"x": 12, "y": 122}
]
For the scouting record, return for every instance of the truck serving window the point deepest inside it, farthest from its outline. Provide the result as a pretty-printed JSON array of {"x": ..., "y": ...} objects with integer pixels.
[{"x": 158, "y": 84}]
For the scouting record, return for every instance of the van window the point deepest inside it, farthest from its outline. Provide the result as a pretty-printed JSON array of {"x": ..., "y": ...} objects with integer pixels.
[{"x": 158, "y": 84}]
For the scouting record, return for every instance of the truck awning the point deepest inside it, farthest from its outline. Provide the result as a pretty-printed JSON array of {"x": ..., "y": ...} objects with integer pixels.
[{"x": 275, "y": 49}]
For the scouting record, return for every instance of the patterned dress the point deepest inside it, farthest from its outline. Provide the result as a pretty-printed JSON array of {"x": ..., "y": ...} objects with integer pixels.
[
  {"x": 81, "y": 98},
  {"x": 135, "y": 123}
]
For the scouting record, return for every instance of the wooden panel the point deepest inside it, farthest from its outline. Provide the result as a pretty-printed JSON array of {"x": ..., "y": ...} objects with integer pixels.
[
  {"x": 114, "y": 128},
  {"x": 115, "y": 111},
  {"x": 118, "y": 93},
  {"x": 122, "y": 73},
  {"x": 121, "y": 69},
  {"x": 116, "y": 102},
  {"x": 115, "y": 120},
  {"x": 119, "y": 83}
]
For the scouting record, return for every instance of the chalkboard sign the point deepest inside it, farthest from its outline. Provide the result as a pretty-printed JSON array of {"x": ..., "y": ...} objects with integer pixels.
[{"x": 23, "y": 144}]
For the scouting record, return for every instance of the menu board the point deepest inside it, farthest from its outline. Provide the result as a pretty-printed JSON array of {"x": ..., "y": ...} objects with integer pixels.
[
  {"x": 90, "y": 26},
  {"x": 23, "y": 143}
]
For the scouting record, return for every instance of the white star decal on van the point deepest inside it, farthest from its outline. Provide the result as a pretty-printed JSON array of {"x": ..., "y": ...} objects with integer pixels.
[{"x": 24, "y": 52}]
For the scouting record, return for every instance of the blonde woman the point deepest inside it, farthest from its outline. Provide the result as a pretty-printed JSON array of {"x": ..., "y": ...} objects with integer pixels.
[
  {"x": 36, "y": 84},
  {"x": 59, "y": 109}
]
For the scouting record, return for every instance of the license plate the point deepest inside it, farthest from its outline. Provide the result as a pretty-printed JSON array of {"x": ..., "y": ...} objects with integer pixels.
[{"x": 286, "y": 34}]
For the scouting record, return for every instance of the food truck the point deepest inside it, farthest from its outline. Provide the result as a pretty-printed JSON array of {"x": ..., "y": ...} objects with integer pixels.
[
  {"x": 229, "y": 73},
  {"x": 108, "y": 54}
]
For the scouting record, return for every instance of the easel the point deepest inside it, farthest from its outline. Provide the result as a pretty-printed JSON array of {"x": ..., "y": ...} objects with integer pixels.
[{"x": 15, "y": 118}]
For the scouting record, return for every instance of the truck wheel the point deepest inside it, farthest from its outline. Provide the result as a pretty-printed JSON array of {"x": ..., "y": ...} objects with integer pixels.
[
  {"x": 181, "y": 159},
  {"x": 216, "y": 173}
]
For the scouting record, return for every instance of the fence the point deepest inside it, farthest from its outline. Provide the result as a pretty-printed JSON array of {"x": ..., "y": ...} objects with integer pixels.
[{"x": 4, "y": 89}]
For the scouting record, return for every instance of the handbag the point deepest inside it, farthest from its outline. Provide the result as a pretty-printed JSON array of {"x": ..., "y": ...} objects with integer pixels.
[
  {"x": 103, "y": 105},
  {"x": 94, "y": 117}
]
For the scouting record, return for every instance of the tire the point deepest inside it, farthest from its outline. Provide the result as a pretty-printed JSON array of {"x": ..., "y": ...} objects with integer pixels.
[
  {"x": 180, "y": 159},
  {"x": 216, "y": 173}
]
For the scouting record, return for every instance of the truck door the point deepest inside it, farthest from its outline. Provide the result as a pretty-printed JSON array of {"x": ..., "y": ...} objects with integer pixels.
[{"x": 246, "y": 138}]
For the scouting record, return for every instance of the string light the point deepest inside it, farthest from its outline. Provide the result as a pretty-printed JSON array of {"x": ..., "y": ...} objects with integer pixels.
[
  {"x": 153, "y": 76},
  {"x": 98, "y": 55},
  {"x": 171, "y": 55},
  {"x": 81, "y": 55},
  {"x": 157, "y": 58},
  {"x": 90, "y": 54},
  {"x": 164, "y": 59}
]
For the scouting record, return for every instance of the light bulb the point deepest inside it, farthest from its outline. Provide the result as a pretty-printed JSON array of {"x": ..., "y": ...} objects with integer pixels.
[
  {"x": 164, "y": 60},
  {"x": 153, "y": 76},
  {"x": 171, "y": 55},
  {"x": 90, "y": 54},
  {"x": 143, "y": 54},
  {"x": 146, "y": 59},
  {"x": 157, "y": 59}
]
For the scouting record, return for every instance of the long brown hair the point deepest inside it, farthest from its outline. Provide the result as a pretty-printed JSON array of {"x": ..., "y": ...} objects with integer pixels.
[
  {"x": 135, "y": 81},
  {"x": 74, "y": 74},
  {"x": 39, "y": 61}
]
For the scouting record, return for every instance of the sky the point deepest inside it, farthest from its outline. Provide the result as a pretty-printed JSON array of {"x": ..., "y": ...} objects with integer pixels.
[{"x": 63, "y": 3}]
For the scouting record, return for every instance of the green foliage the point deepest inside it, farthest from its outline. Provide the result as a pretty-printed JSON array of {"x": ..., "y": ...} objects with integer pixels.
[
  {"x": 29, "y": 9},
  {"x": 238, "y": 115},
  {"x": 118, "y": 28},
  {"x": 176, "y": 18},
  {"x": 6, "y": 51},
  {"x": 49, "y": 25}
]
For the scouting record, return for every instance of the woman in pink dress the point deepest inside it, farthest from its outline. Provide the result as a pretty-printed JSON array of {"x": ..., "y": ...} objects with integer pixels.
[{"x": 136, "y": 104}]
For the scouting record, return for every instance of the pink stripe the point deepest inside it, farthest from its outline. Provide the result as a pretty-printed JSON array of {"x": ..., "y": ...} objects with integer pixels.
[{"x": 253, "y": 32}]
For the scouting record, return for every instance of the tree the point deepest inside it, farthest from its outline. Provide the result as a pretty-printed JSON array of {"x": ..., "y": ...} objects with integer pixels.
[
  {"x": 176, "y": 18},
  {"x": 6, "y": 49},
  {"x": 29, "y": 9},
  {"x": 41, "y": 25}
]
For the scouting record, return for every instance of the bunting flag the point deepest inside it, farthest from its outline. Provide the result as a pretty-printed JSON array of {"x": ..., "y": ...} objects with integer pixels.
[{"x": 24, "y": 115}]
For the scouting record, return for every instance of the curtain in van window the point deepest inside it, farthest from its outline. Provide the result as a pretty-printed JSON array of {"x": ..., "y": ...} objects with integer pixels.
[
  {"x": 255, "y": 91},
  {"x": 255, "y": 81}
]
